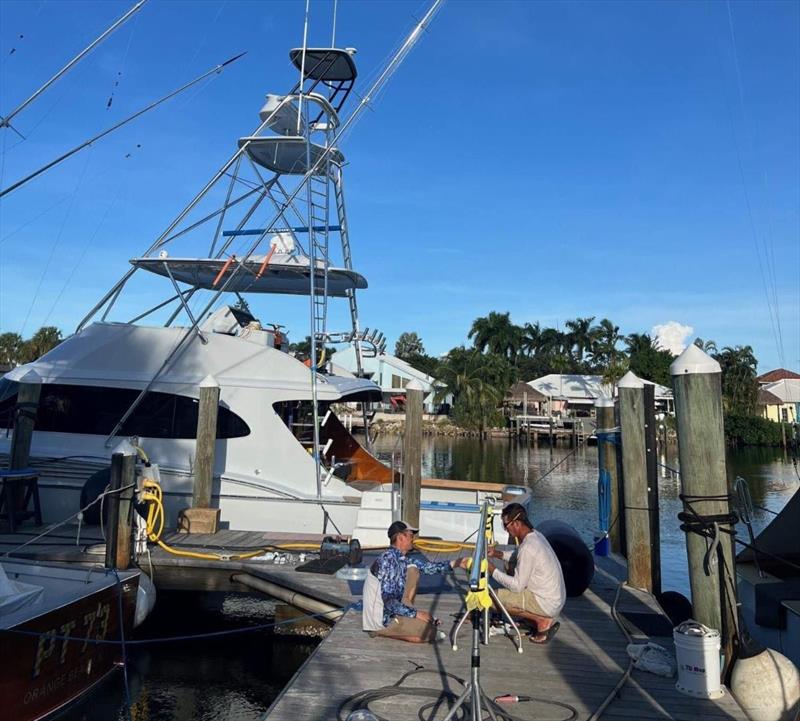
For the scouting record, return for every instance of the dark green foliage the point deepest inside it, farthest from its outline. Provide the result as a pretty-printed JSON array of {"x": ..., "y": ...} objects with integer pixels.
[
  {"x": 408, "y": 344},
  {"x": 425, "y": 363},
  {"x": 739, "y": 384},
  {"x": 754, "y": 431},
  {"x": 15, "y": 351},
  {"x": 647, "y": 360}
]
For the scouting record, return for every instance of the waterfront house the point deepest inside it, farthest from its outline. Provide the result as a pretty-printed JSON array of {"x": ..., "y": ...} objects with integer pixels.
[
  {"x": 392, "y": 374},
  {"x": 780, "y": 401},
  {"x": 779, "y": 374},
  {"x": 571, "y": 394}
]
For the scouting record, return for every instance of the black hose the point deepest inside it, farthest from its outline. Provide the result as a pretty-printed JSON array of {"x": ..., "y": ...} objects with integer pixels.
[{"x": 362, "y": 699}]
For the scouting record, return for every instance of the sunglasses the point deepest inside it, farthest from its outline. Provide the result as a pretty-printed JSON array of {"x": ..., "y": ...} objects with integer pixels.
[{"x": 506, "y": 524}]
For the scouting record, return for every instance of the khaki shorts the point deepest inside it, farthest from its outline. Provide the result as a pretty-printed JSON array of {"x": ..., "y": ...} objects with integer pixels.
[{"x": 523, "y": 600}]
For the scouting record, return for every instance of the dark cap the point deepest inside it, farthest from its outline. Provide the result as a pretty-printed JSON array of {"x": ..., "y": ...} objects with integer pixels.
[{"x": 399, "y": 527}]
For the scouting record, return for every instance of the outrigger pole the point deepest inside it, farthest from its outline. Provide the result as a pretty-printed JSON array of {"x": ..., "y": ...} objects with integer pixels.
[
  {"x": 5, "y": 122},
  {"x": 61, "y": 158},
  {"x": 114, "y": 293}
]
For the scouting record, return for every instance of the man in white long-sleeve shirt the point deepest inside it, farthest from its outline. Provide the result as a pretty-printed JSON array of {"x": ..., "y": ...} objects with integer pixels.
[{"x": 536, "y": 589}]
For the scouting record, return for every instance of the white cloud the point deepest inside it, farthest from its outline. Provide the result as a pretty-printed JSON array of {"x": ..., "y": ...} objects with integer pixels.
[{"x": 672, "y": 336}]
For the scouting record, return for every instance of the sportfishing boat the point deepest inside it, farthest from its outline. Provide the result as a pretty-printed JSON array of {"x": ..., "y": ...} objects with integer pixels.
[
  {"x": 769, "y": 582},
  {"x": 283, "y": 459},
  {"x": 52, "y": 621}
]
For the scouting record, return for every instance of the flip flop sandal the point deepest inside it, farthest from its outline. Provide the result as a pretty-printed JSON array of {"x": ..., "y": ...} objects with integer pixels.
[{"x": 546, "y": 636}]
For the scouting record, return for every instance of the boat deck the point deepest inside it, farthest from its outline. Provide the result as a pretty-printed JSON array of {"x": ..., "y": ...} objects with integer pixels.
[{"x": 580, "y": 667}]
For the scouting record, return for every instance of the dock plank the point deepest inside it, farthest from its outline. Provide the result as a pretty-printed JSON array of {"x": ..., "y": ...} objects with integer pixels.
[{"x": 580, "y": 667}]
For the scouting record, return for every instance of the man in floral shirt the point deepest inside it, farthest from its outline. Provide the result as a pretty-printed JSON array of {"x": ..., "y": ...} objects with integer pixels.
[{"x": 391, "y": 586}]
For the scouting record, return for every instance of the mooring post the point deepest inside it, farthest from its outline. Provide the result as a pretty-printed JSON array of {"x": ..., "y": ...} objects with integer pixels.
[
  {"x": 651, "y": 452},
  {"x": 28, "y": 392},
  {"x": 412, "y": 453},
  {"x": 125, "y": 511},
  {"x": 206, "y": 442},
  {"x": 697, "y": 385},
  {"x": 607, "y": 436},
  {"x": 634, "y": 464},
  {"x": 112, "y": 503}
]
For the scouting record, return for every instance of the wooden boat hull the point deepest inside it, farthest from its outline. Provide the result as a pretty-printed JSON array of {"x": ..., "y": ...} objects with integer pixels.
[{"x": 47, "y": 673}]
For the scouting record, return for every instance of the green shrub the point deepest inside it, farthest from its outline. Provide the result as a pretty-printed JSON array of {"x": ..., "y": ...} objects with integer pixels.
[{"x": 753, "y": 431}]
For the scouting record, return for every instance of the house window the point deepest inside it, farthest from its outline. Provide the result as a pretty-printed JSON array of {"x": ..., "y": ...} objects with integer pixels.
[
  {"x": 95, "y": 410},
  {"x": 397, "y": 382},
  {"x": 785, "y": 415}
]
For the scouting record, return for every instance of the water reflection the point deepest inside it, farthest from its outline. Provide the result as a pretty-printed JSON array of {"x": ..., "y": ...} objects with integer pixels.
[
  {"x": 569, "y": 491},
  {"x": 234, "y": 678}
]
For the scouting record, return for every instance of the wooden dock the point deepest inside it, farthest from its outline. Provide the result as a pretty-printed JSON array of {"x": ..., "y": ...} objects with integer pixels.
[{"x": 581, "y": 667}]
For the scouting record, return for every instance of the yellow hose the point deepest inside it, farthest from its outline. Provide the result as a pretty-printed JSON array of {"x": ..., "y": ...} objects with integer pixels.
[
  {"x": 155, "y": 527},
  {"x": 153, "y": 495}
]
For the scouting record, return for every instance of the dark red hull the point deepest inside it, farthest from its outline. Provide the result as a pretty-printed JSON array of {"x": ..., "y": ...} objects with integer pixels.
[{"x": 42, "y": 674}]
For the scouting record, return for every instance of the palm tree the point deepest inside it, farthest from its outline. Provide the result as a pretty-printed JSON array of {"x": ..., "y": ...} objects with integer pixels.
[
  {"x": 531, "y": 338},
  {"x": 10, "y": 349},
  {"x": 497, "y": 333},
  {"x": 42, "y": 341},
  {"x": 739, "y": 384},
  {"x": 580, "y": 336},
  {"x": 605, "y": 337},
  {"x": 708, "y": 346}
]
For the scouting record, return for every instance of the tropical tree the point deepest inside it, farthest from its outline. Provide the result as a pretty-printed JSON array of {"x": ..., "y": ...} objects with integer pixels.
[
  {"x": 647, "y": 360},
  {"x": 42, "y": 341},
  {"x": 408, "y": 344},
  {"x": 477, "y": 382},
  {"x": 708, "y": 346},
  {"x": 739, "y": 384},
  {"x": 531, "y": 338},
  {"x": 604, "y": 352},
  {"x": 580, "y": 336},
  {"x": 10, "y": 349},
  {"x": 496, "y": 333}
]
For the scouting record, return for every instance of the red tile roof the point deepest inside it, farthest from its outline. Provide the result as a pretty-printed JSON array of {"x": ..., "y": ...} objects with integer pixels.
[{"x": 778, "y": 374}]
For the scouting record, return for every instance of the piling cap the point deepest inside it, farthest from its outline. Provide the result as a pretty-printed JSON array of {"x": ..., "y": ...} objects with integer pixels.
[
  {"x": 630, "y": 380},
  {"x": 209, "y": 382},
  {"x": 414, "y": 385},
  {"x": 603, "y": 402},
  {"x": 694, "y": 360}
]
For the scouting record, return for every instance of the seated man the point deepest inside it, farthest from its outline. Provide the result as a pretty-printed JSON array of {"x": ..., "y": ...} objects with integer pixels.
[
  {"x": 391, "y": 586},
  {"x": 536, "y": 590}
]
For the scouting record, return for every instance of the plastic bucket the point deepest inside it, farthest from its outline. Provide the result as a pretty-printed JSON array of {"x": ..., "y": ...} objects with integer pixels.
[{"x": 697, "y": 652}]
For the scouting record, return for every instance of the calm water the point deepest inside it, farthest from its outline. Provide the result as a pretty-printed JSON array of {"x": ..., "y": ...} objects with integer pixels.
[
  {"x": 236, "y": 678},
  {"x": 569, "y": 493}
]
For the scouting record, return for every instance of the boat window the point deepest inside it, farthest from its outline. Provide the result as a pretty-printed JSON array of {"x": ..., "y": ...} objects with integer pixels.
[
  {"x": 96, "y": 410},
  {"x": 299, "y": 418}
]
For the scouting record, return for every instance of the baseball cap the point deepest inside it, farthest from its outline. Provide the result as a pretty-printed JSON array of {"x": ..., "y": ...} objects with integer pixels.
[{"x": 399, "y": 527}]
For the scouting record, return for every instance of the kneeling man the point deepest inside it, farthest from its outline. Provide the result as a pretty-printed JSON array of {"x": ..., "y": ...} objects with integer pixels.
[
  {"x": 536, "y": 590},
  {"x": 391, "y": 586}
]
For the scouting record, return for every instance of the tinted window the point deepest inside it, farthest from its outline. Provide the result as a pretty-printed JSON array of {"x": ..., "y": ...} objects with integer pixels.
[{"x": 93, "y": 410}]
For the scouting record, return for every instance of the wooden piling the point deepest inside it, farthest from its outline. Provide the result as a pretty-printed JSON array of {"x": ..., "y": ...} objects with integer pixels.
[
  {"x": 651, "y": 453},
  {"x": 127, "y": 483},
  {"x": 28, "y": 392},
  {"x": 206, "y": 442},
  {"x": 412, "y": 453},
  {"x": 634, "y": 463},
  {"x": 697, "y": 386},
  {"x": 112, "y": 503},
  {"x": 607, "y": 449}
]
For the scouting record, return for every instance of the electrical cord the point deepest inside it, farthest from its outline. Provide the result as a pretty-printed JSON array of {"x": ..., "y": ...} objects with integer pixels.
[{"x": 363, "y": 699}]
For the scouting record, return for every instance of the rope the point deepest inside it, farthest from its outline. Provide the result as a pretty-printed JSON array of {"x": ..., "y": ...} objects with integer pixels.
[
  {"x": 184, "y": 637},
  {"x": 53, "y": 527}
]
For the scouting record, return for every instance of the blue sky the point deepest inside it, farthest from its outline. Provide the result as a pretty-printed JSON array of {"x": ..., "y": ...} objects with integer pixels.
[{"x": 635, "y": 160}]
